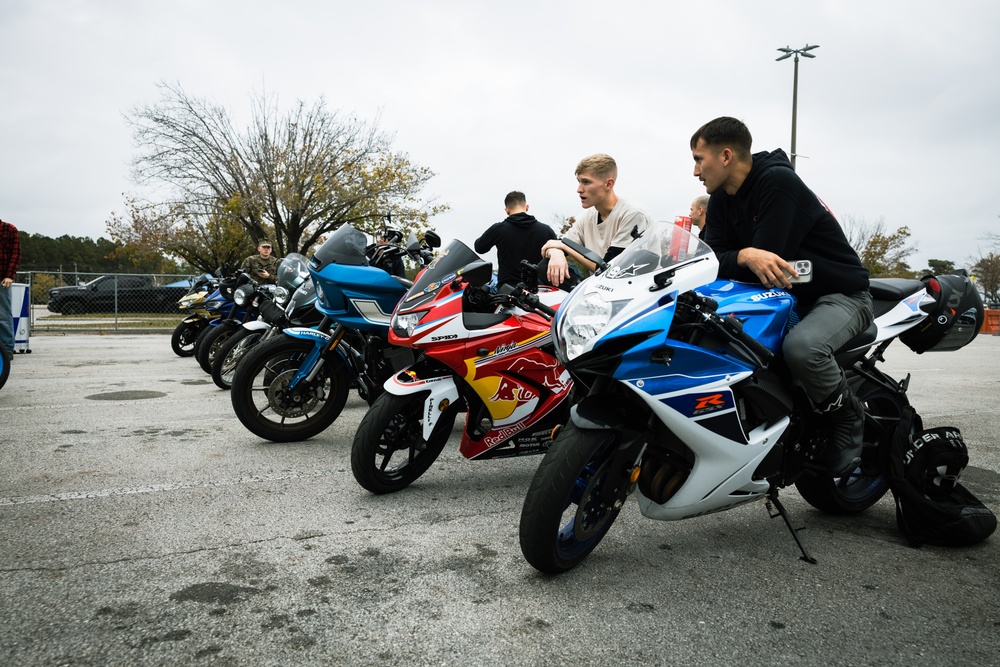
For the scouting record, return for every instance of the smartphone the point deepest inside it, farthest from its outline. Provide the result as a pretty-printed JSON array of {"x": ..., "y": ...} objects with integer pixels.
[{"x": 805, "y": 270}]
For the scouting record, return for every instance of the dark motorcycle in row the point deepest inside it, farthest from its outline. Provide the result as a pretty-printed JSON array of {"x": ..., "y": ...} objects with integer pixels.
[
  {"x": 292, "y": 303},
  {"x": 294, "y": 386},
  {"x": 684, "y": 401},
  {"x": 198, "y": 316}
]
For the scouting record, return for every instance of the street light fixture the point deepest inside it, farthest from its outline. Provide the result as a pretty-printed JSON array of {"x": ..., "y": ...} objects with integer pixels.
[{"x": 788, "y": 53}]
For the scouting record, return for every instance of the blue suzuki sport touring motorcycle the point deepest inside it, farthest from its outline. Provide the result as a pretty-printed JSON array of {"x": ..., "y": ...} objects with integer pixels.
[
  {"x": 295, "y": 385},
  {"x": 684, "y": 400}
]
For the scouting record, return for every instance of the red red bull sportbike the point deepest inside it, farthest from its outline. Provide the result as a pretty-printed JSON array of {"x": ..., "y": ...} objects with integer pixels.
[{"x": 482, "y": 352}]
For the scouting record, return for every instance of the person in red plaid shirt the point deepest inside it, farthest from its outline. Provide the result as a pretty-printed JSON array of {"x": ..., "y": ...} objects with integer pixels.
[{"x": 10, "y": 259}]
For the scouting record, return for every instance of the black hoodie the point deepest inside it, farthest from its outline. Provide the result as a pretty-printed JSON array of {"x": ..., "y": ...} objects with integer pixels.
[
  {"x": 518, "y": 237},
  {"x": 774, "y": 210}
]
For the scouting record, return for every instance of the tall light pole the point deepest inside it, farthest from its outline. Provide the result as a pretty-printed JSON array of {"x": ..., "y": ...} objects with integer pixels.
[{"x": 804, "y": 52}]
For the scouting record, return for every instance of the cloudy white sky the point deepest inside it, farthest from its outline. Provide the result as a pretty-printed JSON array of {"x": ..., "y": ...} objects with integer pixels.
[{"x": 898, "y": 114}]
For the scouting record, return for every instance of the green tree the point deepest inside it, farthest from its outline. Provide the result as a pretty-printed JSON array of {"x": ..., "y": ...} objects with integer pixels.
[
  {"x": 939, "y": 267},
  {"x": 882, "y": 252},
  {"x": 291, "y": 177},
  {"x": 986, "y": 272}
]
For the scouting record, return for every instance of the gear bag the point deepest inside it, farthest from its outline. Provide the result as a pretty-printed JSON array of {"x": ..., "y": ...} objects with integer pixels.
[{"x": 923, "y": 471}]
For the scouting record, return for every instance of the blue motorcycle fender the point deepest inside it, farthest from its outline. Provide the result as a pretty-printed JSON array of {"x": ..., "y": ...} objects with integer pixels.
[
  {"x": 441, "y": 388},
  {"x": 305, "y": 333},
  {"x": 604, "y": 412}
]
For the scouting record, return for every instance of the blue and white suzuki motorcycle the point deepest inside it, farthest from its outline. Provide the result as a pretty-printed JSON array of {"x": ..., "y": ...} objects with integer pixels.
[{"x": 685, "y": 401}]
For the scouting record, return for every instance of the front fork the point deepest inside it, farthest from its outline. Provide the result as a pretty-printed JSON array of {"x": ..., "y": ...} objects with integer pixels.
[
  {"x": 324, "y": 344},
  {"x": 431, "y": 377}
]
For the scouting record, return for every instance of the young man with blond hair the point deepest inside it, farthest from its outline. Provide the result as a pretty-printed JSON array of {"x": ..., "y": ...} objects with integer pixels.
[{"x": 608, "y": 224}]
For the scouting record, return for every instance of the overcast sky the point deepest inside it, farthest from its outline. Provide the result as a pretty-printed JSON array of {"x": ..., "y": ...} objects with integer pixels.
[{"x": 898, "y": 113}]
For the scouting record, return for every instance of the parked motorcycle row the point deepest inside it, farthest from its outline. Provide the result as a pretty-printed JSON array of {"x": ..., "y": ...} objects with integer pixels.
[{"x": 651, "y": 378}]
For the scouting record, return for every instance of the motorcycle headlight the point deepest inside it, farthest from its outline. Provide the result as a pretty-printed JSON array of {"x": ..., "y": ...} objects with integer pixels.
[
  {"x": 243, "y": 294},
  {"x": 584, "y": 320},
  {"x": 185, "y": 303},
  {"x": 280, "y": 295},
  {"x": 403, "y": 325}
]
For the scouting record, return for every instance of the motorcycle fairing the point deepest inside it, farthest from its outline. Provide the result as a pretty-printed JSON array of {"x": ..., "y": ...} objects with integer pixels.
[{"x": 437, "y": 381}]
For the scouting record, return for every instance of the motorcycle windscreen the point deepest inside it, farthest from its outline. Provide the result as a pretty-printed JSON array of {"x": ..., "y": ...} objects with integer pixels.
[
  {"x": 661, "y": 246},
  {"x": 455, "y": 261}
]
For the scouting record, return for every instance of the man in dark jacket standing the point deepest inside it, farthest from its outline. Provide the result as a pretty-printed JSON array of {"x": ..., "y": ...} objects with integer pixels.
[
  {"x": 761, "y": 217},
  {"x": 518, "y": 237}
]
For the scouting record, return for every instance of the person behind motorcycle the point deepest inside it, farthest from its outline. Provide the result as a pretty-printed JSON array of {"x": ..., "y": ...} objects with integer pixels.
[
  {"x": 761, "y": 216},
  {"x": 386, "y": 254},
  {"x": 262, "y": 266},
  {"x": 519, "y": 236},
  {"x": 608, "y": 224}
]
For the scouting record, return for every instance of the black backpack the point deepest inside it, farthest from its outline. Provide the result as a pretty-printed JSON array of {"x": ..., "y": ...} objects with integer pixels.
[{"x": 923, "y": 471}]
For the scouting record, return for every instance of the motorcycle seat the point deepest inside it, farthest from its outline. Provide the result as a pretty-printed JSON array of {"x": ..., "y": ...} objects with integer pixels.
[{"x": 893, "y": 289}]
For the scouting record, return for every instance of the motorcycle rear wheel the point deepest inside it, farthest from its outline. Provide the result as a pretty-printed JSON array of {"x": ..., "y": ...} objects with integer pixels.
[
  {"x": 226, "y": 359},
  {"x": 264, "y": 403},
  {"x": 562, "y": 520},
  {"x": 393, "y": 426},
  {"x": 212, "y": 343},
  {"x": 866, "y": 485},
  {"x": 184, "y": 336}
]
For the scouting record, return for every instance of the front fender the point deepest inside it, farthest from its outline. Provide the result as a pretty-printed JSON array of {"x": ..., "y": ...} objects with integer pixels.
[
  {"x": 305, "y": 333},
  {"x": 436, "y": 380},
  {"x": 256, "y": 325},
  {"x": 608, "y": 412}
]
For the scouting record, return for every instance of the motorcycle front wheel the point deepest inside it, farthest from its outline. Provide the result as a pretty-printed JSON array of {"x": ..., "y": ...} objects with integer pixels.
[
  {"x": 213, "y": 342},
  {"x": 563, "y": 519},
  {"x": 389, "y": 450},
  {"x": 266, "y": 404},
  {"x": 225, "y": 360},
  {"x": 184, "y": 336},
  {"x": 865, "y": 486}
]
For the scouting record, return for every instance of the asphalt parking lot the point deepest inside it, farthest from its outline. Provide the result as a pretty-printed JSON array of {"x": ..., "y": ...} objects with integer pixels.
[{"x": 141, "y": 524}]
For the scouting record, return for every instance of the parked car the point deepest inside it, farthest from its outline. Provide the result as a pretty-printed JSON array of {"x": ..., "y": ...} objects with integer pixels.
[{"x": 116, "y": 293}]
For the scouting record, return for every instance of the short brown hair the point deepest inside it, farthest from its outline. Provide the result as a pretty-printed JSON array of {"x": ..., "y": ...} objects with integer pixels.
[
  {"x": 514, "y": 198},
  {"x": 599, "y": 165},
  {"x": 725, "y": 132}
]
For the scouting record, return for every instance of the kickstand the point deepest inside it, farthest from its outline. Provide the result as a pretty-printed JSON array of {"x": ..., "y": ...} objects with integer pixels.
[{"x": 773, "y": 503}]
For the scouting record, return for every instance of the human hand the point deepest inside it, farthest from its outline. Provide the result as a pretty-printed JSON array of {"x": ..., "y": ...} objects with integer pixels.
[
  {"x": 6, "y": 282},
  {"x": 769, "y": 267},
  {"x": 558, "y": 269}
]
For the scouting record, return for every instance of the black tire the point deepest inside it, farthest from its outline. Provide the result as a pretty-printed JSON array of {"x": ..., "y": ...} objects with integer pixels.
[
  {"x": 5, "y": 358},
  {"x": 393, "y": 429},
  {"x": 73, "y": 307},
  {"x": 184, "y": 336},
  {"x": 213, "y": 342},
  {"x": 201, "y": 336},
  {"x": 263, "y": 402},
  {"x": 865, "y": 486},
  {"x": 563, "y": 495},
  {"x": 229, "y": 354}
]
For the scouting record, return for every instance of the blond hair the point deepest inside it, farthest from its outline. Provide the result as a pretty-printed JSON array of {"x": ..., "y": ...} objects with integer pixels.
[{"x": 598, "y": 165}]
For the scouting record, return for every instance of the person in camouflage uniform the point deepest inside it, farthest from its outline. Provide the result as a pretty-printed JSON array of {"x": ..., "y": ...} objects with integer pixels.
[{"x": 262, "y": 266}]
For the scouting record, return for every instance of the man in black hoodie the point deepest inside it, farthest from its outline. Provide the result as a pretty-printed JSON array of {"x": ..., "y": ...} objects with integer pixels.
[
  {"x": 518, "y": 237},
  {"x": 761, "y": 217}
]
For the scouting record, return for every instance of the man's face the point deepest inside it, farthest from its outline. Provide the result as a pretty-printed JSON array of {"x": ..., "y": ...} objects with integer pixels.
[
  {"x": 592, "y": 190},
  {"x": 697, "y": 214},
  {"x": 264, "y": 250},
  {"x": 709, "y": 166}
]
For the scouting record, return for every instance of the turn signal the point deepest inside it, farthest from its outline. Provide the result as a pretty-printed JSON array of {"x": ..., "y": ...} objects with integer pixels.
[{"x": 634, "y": 476}]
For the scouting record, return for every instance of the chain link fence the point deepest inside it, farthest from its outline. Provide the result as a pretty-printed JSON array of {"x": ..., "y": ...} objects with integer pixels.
[{"x": 77, "y": 302}]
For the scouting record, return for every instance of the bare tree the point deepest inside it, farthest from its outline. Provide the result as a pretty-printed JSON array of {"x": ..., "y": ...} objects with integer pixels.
[
  {"x": 987, "y": 274},
  {"x": 291, "y": 177},
  {"x": 882, "y": 252}
]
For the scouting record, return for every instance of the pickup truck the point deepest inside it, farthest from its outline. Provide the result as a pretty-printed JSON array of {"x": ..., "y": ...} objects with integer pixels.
[{"x": 117, "y": 293}]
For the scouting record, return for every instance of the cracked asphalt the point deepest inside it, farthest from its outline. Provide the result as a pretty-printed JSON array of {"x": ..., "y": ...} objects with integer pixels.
[{"x": 141, "y": 524}]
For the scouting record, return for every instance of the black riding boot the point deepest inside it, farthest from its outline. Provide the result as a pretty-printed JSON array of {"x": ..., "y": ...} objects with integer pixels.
[{"x": 845, "y": 420}]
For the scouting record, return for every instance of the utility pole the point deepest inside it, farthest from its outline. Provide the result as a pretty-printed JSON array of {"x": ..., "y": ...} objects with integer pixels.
[{"x": 804, "y": 52}]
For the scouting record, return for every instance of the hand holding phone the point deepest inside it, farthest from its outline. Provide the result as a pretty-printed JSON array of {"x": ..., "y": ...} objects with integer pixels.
[{"x": 805, "y": 270}]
